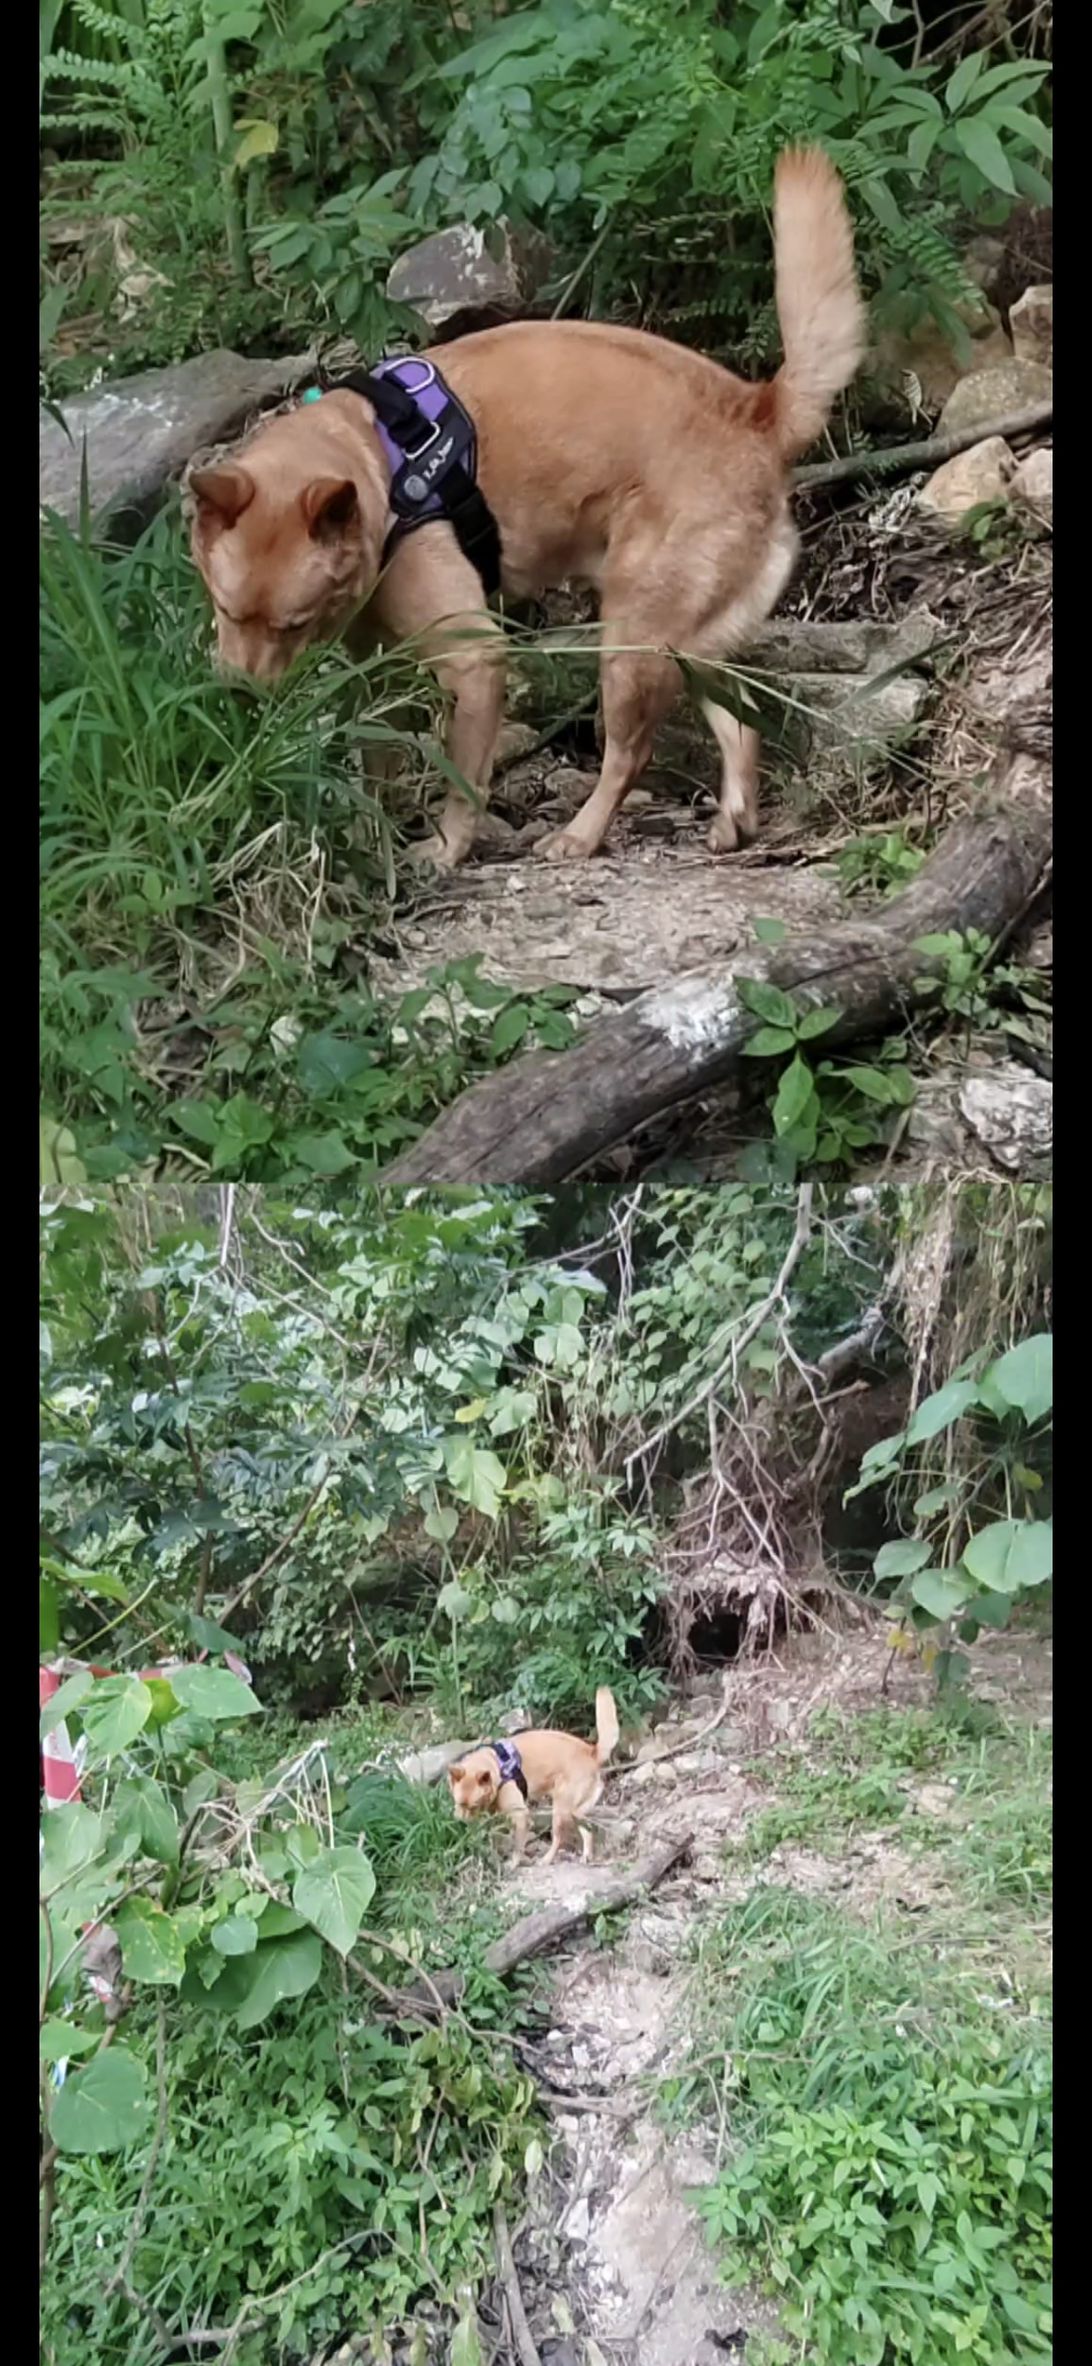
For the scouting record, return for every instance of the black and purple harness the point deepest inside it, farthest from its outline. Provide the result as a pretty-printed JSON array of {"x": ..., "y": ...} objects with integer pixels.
[
  {"x": 431, "y": 446},
  {"x": 510, "y": 1764}
]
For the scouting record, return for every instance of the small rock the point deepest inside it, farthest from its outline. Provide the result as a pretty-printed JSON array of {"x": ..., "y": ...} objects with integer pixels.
[
  {"x": 644, "y": 1774},
  {"x": 928, "y": 354},
  {"x": 934, "y": 1799},
  {"x": 1012, "y": 1113},
  {"x": 427, "y": 1766},
  {"x": 960, "y": 484},
  {"x": 983, "y": 261},
  {"x": 515, "y": 740},
  {"x": 470, "y": 270},
  {"x": 1033, "y": 483},
  {"x": 578, "y": 2222},
  {"x": 1032, "y": 324},
  {"x": 991, "y": 394}
]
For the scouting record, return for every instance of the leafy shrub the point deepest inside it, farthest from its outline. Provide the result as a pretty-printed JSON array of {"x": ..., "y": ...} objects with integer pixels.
[
  {"x": 289, "y": 2134},
  {"x": 893, "y": 2184},
  {"x": 961, "y": 1569}
]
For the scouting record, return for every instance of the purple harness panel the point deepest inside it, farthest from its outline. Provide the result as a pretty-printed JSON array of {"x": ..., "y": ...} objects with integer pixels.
[
  {"x": 510, "y": 1764},
  {"x": 419, "y": 380}
]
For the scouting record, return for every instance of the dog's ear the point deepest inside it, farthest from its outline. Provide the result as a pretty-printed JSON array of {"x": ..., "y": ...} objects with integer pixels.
[
  {"x": 455, "y": 1775},
  {"x": 222, "y": 493},
  {"x": 330, "y": 507}
]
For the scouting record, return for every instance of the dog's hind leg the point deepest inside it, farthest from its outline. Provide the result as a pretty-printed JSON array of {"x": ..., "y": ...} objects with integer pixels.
[
  {"x": 736, "y": 819},
  {"x": 639, "y": 686},
  {"x": 563, "y": 1825}
]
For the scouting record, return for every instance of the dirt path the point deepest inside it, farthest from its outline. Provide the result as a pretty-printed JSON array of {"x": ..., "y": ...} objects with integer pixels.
[{"x": 612, "y": 2260}]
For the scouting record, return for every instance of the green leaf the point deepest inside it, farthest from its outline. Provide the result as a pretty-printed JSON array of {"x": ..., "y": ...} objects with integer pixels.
[
  {"x": 768, "y": 1042},
  {"x": 901, "y": 1558},
  {"x": 962, "y": 81},
  {"x": 68, "y": 1697},
  {"x": 770, "y": 931},
  {"x": 49, "y": 1617},
  {"x": 453, "y": 1601},
  {"x": 151, "y": 1946},
  {"x": 237, "y": 1934},
  {"x": 102, "y": 2107},
  {"x": 475, "y": 1474},
  {"x": 283, "y": 1969},
  {"x": 940, "y": 1410},
  {"x": 213, "y": 1693},
  {"x": 1025, "y": 1376},
  {"x": 938, "y": 1592},
  {"x": 71, "y": 1839},
  {"x": 871, "y": 1083},
  {"x": 510, "y": 1026},
  {"x": 983, "y": 149},
  {"x": 817, "y": 1022},
  {"x": 323, "y": 1154},
  {"x": 441, "y": 1524},
  {"x": 1010, "y": 1554},
  {"x": 59, "y": 2041},
  {"x": 334, "y": 1893},
  {"x": 794, "y": 1092},
  {"x": 767, "y": 1002},
  {"x": 116, "y": 1710},
  {"x": 466, "y": 2348},
  {"x": 258, "y": 138},
  {"x": 143, "y": 1803}
]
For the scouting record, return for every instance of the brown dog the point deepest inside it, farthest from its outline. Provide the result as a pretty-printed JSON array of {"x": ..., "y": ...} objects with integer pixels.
[
  {"x": 607, "y": 457},
  {"x": 507, "y": 1776}
]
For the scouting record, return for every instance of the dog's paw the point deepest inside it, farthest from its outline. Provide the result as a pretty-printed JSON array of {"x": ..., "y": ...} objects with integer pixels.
[
  {"x": 436, "y": 853},
  {"x": 723, "y": 835},
  {"x": 566, "y": 846}
]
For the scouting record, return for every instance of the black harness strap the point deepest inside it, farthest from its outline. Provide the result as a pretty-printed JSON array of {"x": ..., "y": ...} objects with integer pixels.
[{"x": 437, "y": 476}]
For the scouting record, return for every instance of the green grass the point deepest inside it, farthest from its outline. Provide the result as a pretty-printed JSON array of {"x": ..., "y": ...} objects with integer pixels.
[
  {"x": 214, "y": 862},
  {"x": 879, "y": 2079}
]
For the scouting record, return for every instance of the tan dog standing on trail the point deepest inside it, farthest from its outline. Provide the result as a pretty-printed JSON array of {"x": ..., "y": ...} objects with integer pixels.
[
  {"x": 606, "y": 457},
  {"x": 506, "y": 1777}
]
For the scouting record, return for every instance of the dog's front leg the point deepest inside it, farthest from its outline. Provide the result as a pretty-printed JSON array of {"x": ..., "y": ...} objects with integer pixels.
[
  {"x": 474, "y": 682},
  {"x": 431, "y": 598}
]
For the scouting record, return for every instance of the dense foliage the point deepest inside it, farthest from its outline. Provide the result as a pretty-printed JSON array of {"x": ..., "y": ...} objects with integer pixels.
[
  {"x": 263, "y": 165},
  {"x": 407, "y": 1470}
]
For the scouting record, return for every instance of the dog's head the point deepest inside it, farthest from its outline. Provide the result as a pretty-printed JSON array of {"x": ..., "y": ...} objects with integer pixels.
[
  {"x": 475, "y": 1783},
  {"x": 288, "y": 538}
]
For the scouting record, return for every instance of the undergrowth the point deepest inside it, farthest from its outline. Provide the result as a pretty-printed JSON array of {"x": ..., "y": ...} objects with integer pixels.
[{"x": 880, "y": 2084}]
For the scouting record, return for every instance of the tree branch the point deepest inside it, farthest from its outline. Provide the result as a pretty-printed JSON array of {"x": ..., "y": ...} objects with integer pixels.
[{"x": 928, "y": 452}]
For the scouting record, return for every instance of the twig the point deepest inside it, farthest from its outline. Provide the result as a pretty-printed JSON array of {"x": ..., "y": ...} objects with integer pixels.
[
  {"x": 513, "y": 2297},
  {"x": 690, "y": 1741},
  {"x": 581, "y": 272},
  {"x": 121, "y": 2272},
  {"x": 900, "y": 459},
  {"x": 750, "y": 1331},
  {"x": 244, "y": 1591}
]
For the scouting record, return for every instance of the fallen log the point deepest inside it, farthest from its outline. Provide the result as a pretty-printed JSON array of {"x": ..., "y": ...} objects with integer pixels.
[
  {"x": 546, "y": 1116},
  {"x": 535, "y": 1933}
]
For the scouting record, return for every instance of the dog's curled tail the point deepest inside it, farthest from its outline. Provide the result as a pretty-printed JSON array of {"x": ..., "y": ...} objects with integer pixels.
[
  {"x": 606, "y": 1725},
  {"x": 819, "y": 309}
]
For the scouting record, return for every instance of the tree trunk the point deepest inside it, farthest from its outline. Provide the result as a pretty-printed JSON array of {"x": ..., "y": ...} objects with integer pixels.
[{"x": 546, "y": 1116}]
